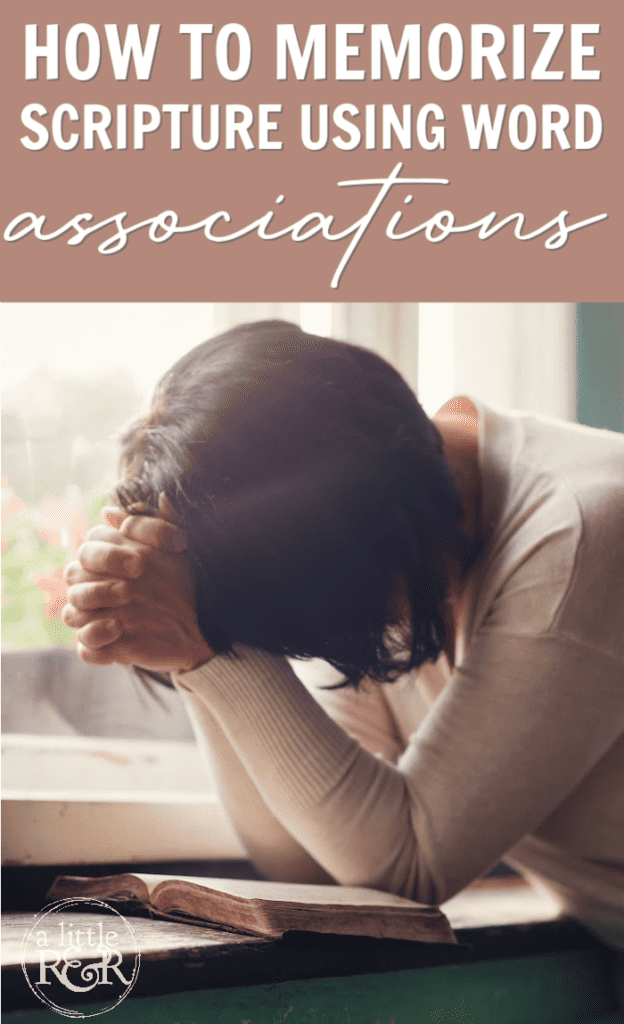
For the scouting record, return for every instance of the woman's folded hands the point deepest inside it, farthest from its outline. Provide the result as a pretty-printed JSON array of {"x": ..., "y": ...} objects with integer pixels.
[{"x": 131, "y": 596}]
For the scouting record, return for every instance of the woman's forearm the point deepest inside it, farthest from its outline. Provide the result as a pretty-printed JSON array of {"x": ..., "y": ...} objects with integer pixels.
[
  {"x": 269, "y": 846},
  {"x": 511, "y": 737},
  {"x": 317, "y": 781}
]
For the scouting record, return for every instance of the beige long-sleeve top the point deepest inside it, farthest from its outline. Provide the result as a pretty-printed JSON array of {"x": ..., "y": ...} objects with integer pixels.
[{"x": 521, "y": 754}]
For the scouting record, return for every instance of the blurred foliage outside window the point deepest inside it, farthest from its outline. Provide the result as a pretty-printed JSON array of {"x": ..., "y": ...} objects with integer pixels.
[{"x": 59, "y": 455}]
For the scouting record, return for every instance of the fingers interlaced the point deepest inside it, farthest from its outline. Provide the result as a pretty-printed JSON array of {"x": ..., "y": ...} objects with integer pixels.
[
  {"x": 75, "y": 619},
  {"x": 89, "y": 596},
  {"x": 156, "y": 533},
  {"x": 104, "y": 655},
  {"x": 120, "y": 582},
  {"x": 74, "y": 573},
  {"x": 99, "y": 633},
  {"x": 121, "y": 558}
]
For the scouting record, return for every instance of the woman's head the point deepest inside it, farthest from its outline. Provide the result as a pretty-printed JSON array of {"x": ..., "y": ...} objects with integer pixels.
[{"x": 311, "y": 489}]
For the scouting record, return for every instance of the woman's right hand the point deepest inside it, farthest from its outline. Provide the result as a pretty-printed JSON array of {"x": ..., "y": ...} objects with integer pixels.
[{"x": 131, "y": 596}]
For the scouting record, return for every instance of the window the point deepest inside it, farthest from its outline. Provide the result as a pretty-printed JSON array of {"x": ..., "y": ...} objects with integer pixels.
[{"x": 89, "y": 740}]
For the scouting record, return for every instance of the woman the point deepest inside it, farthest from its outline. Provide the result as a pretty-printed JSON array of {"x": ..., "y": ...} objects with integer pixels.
[{"x": 324, "y": 515}]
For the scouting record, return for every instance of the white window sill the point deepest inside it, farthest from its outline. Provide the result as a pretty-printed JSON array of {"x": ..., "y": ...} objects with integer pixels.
[{"x": 80, "y": 800}]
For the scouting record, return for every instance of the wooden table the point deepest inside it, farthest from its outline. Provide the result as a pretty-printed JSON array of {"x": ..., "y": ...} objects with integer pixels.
[{"x": 516, "y": 963}]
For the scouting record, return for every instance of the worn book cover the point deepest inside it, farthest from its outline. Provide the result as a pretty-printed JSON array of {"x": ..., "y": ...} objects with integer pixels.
[{"x": 269, "y": 908}]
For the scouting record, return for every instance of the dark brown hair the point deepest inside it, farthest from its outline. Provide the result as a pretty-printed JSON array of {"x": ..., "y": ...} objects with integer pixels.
[{"x": 309, "y": 485}]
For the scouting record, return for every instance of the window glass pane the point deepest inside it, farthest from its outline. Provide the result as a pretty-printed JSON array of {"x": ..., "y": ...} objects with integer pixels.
[{"x": 73, "y": 376}]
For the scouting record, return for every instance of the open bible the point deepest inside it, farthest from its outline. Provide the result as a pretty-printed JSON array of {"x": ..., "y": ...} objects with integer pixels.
[{"x": 267, "y": 908}]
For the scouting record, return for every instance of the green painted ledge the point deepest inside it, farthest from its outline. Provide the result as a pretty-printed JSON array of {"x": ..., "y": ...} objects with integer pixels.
[{"x": 569, "y": 987}]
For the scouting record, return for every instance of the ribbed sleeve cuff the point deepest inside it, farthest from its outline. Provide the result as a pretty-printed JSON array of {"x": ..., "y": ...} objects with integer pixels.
[{"x": 279, "y": 731}]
